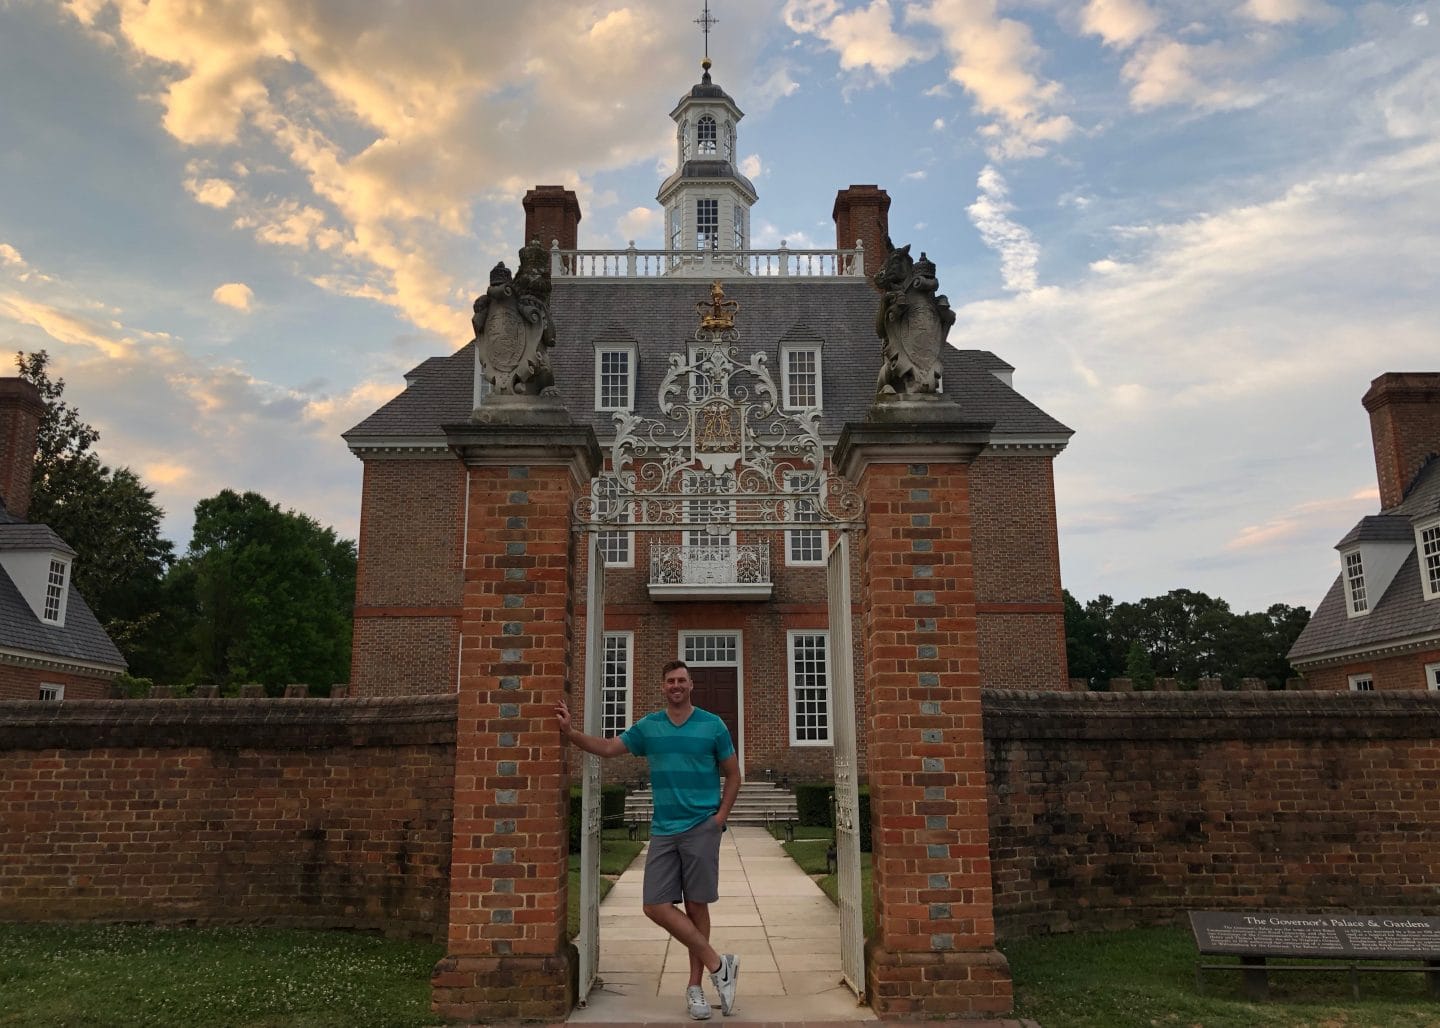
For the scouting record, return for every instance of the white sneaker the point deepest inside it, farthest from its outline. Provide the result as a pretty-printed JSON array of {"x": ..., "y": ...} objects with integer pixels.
[
  {"x": 698, "y": 1004},
  {"x": 724, "y": 978}
]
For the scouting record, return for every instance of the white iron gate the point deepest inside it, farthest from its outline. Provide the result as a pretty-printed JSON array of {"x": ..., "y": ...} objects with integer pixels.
[
  {"x": 847, "y": 785},
  {"x": 589, "y": 941}
]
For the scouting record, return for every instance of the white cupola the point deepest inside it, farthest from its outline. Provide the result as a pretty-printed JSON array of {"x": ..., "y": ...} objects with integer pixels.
[{"x": 707, "y": 201}]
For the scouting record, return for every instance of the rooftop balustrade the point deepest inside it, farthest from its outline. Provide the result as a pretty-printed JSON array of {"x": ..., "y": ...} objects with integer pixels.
[{"x": 779, "y": 263}]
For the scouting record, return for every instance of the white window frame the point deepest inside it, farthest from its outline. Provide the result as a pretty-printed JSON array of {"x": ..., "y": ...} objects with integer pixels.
[
  {"x": 632, "y": 369},
  {"x": 1352, "y": 569},
  {"x": 792, "y": 535},
  {"x": 1432, "y": 677},
  {"x": 1363, "y": 682},
  {"x": 684, "y": 140},
  {"x": 701, "y": 141},
  {"x": 707, "y": 239},
  {"x": 55, "y": 690},
  {"x": 785, "y": 353},
  {"x": 791, "y": 637},
  {"x": 627, "y": 640},
  {"x": 610, "y": 540},
  {"x": 57, "y": 592},
  {"x": 1429, "y": 562}
]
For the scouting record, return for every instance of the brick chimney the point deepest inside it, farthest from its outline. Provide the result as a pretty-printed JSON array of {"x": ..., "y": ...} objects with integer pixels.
[
  {"x": 1404, "y": 411},
  {"x": 863, "y": 213},
  {"x": 20, "y": 411},
  {"x": 552, "y": 212}
]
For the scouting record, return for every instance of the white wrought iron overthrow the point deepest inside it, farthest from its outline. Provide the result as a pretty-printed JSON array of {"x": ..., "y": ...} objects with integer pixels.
[{"x": 724, "y": 455}]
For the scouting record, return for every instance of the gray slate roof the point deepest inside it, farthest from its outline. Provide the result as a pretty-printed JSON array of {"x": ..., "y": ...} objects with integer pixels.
[
  {"x": 1403, "y": 612},
  {"x": 659, "y": 319},
  {"x": 81, "y": 638},
  {"x": 20, "y": 535}
]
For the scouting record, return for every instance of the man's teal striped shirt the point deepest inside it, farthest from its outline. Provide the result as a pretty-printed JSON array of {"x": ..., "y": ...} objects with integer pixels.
[{"x": 684, "y": 766}]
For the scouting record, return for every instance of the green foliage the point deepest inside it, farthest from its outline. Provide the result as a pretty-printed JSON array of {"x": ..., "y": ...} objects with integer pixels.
[
  {"x": 1185, "y": 634},
  {"x": 1138, "y": 667},
  {"x": 106, "y": 514},
  {"x": 263, "y": 595},
  {"x": 815, "y": 806},
  {"x": 612, "y": 810}
]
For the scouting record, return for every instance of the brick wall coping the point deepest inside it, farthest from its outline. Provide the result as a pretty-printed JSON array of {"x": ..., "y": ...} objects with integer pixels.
[
  {"x": 227, "y": 724},
  {"x": 1028, "y": 714}
]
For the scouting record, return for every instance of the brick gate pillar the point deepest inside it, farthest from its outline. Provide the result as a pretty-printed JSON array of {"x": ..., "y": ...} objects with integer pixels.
[
  {"x": 508, "y": 953},
  {"x": 933, "y": 954}
]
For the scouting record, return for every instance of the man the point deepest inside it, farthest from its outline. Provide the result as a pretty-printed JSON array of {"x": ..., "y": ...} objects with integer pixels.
[{"x": 688, "y": 750}]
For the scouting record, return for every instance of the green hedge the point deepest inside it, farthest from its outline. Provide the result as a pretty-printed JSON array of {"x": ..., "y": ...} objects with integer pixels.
[
  {"x": 814, "y": 808},
  {"x": 612, "y": 810}
]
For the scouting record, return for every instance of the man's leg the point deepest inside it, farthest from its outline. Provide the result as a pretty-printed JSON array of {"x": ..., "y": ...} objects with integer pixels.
[
  {"x": 699, "y": 914},
  {"x": 684, "y": 931}
]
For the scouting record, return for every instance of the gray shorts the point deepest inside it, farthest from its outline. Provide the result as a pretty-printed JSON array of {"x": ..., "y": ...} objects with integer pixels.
[{"x": 684, "y": 866}]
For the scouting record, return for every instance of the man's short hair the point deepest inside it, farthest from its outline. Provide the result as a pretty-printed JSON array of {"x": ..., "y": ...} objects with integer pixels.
[{"x": 671, "y": 665}]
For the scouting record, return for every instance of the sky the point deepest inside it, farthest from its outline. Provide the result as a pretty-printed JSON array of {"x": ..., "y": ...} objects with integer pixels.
[{"x": 1197, "y": 229}]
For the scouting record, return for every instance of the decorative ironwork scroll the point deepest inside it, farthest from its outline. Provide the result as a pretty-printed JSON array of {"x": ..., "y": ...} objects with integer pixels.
[{"x": 722, "y": 456}]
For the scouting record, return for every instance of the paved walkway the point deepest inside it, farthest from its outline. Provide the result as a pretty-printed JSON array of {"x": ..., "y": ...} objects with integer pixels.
[{"x": 784, "y": 929}]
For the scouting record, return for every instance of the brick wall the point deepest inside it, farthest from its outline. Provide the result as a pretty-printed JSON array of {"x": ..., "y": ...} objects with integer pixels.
[
  {"x": 1019, "y": 608},
  {"x": 23, "y": 683},
  {"x": 1111, "y": 809},
  {"x": 408, "y": 586},
  {"x": 313, "y": 813},
  {"x": 1404, "y": 672}
]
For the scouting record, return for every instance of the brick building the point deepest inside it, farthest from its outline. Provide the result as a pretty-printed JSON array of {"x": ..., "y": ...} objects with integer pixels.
[
  {"x": 51, "y": 645},
  {"x": 757, "y": 644},
  {"x": 1378, "y": 627}
]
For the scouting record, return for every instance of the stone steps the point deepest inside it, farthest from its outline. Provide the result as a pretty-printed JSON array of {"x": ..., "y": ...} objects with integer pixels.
[{"x": 757, "y": 803}]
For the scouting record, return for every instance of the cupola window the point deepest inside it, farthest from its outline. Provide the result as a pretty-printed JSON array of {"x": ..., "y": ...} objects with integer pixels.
[
  {"x": 707, "y": 224},
  {"x": 705, "y": 136},
  {"x": 729, "y": 140},
  {"x": 685, "y": 140}
]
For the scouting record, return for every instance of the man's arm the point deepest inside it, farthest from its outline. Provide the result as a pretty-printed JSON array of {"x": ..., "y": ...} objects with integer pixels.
[
  {"x": 589, "y": 743},
  {"x": 730, "y": 771}
]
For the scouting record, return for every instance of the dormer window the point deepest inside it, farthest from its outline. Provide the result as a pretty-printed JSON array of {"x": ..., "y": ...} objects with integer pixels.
[
  {"x": 614, "y": 379},
  {"x": 1427, "y": 544},
  {"x": 801, "y": 373},
  {"x": 705, "y": 136},
  {"x": 55, "y": 592},
  {"x": 1355, "y": 584}
]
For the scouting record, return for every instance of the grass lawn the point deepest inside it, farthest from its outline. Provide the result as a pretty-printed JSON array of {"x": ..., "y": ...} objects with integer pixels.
[
  {"x": 1146, "y": 977},
  {"x": 617, "y": 850},
  {"x": 126, "y": 974}
]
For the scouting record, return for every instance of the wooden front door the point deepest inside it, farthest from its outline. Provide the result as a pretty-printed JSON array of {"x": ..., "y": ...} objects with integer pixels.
[{"x": 717, "y": 689}]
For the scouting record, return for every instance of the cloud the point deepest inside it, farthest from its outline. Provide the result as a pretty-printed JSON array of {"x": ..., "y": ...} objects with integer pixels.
[
  {"x": 641, "y": 223},
  {"x": 234, "y": 294},
  {"x": 1120, "y": 23},
  {"x": 1019, "y": 253},
  {"x": 1279, "y": 12},
  {"x": 66, "y": 326},
  {"x": 750, "y": 166},
  {"x": 863, "y": 38},
  {"x": 10, "y": 257},
  {"x": 212, "y": 192}
]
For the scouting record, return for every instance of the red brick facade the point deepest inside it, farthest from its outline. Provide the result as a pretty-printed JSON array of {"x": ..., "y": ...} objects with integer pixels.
[
  {"x": 1387, "y": 674},
  {"x": 312, "y": 813},
  {"x": 24, "y": 683},
  {"x": 408, "y": 587},
  {"x": 20, "y": 411},
  {"x": 1404, "y": 428}
]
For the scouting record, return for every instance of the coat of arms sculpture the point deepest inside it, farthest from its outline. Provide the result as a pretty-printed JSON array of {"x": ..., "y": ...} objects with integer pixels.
[
  {"x": 514, "y": 334},
  {"x": 913, "y": 321}
]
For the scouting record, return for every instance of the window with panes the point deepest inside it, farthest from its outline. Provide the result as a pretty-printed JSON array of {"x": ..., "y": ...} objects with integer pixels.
[
  {"x": 1430, "y": 560},
  {"x": 54, "y": 590},
  {"x": 614, "y": 380},
  {"x": 708, "y": 507},
  {"x": 802, "y": 378},
  {"x": 1355, "y": 583},
  {"x": 803, "y": 545},
  {"x": 685, "y": 140},
  {"x": 707, "y": 224},
  {"x": 809, "y": 688},
  {"x": 739, "y": 227},
  {"x": 616, "y": 679},
  {"x": 614, "y": 544},
  {"x": 704, "y": 648},
  {"x": 52, "y": 693},
  {"x": 1362, "y": 683},
  {"x": 705, "y": 136}
]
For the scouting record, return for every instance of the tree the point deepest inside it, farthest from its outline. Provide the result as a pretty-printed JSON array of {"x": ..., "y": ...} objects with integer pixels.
[
  {"x": 270, "y": 595},
  {"x": 1138, "y": 667},
  {"x": 107, "y": 515}
]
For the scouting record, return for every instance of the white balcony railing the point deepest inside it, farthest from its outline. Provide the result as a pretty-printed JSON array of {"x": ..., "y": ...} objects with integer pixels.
[
  {"x": 692, "y": 572},
  {"x": 781, "y": 262}
]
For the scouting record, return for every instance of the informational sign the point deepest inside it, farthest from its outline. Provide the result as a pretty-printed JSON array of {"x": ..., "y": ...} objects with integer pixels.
[{"x": 1350, "y": 936}]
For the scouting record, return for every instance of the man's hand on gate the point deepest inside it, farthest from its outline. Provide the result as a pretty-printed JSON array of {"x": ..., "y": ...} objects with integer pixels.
[{"x": 562, "y": 715}]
